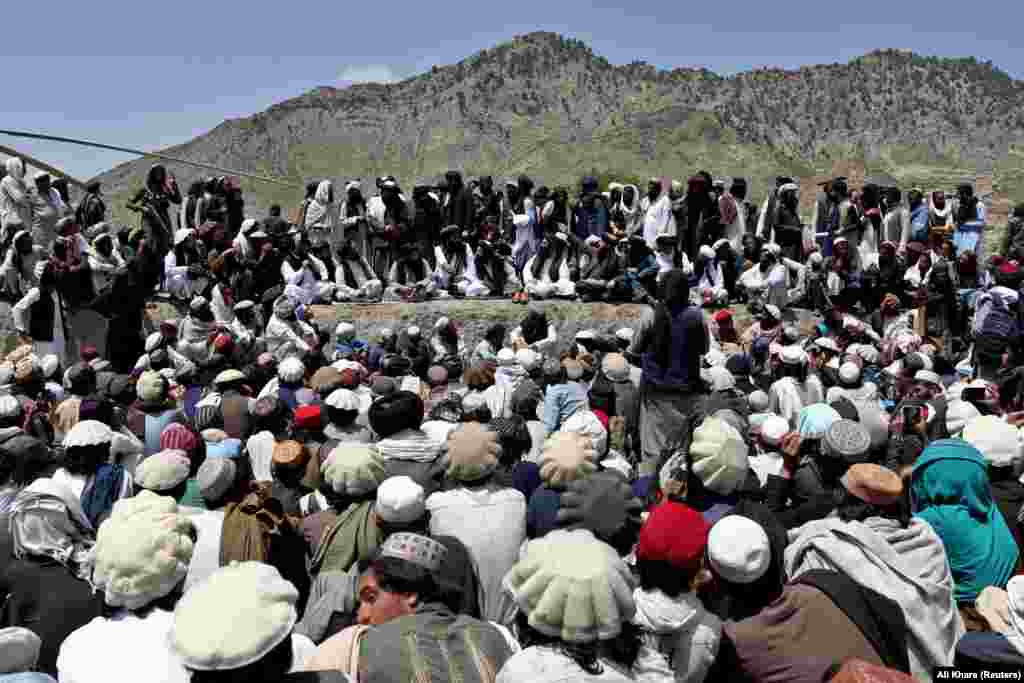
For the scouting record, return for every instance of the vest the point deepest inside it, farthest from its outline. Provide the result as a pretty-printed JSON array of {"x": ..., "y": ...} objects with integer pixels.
[{"x": 41, "y": 318}]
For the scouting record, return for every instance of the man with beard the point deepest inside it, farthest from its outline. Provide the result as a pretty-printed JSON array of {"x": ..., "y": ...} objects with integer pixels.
[
  {"x": 590, "y": 215},
  {"x": 273, "y": 224},
  {"x": 913, "y": 222},
  {"x": 641, "y": 268},
  {"x": 306, "y": 278},
  {"x": 47, "y": 209},
  {"x": 600, "y": 268},
  {"x": 844, "y": 275},
  {"x": 388, "y": 216},
  {"x": 310, "y": 193},
  {"x": 460, "y": 208},
  {"x": 519, "y": 219},
  {"x": 969, "y": 219},
  {"x": 234, "y": 204},
  {"x": 426, "y": 221},
  {"x": 410, "y": 279},
  {"x": 286, "y": 335},
  {"x": 732, "y": 216},
  {"x": 787, "y": 231},
  {"x": 656, "y": 208},
  {"x": 211, "y": 206},
  {"x": 154, "y": 202},
  {"x": 889, "y": 276},
  {"x": 494, "y": 273},
  {"x": 824, "y": 206},
  {"x": 455, "y": 264},
  {"x": 710, "y": 279},
  {"x": 487, "y": 201},
  {"x": 765, "y": 223},
  {"x": 625, "y": 214},
  {"x": 850, "y": 225},
  {"x": 353, "y": 214},
  {"x": 185, "y": 272},
  {"x": 766, "y": 282},
  {"x": 353, "y": 274},
  {"x": 548, "y": 273},
  {"x": 92, "y": 209}
]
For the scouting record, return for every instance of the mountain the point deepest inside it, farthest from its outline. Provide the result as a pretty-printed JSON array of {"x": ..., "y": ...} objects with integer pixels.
[{"x": 549, "y": 107}]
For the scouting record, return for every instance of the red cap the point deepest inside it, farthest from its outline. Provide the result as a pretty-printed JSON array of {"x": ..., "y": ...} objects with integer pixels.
[
  {"x": 723, "y": 315},
  {"x": 1009, "y": 268},
  {"x": 674, "y": 533},
  {"x": 223, "y": 343},
  {"x": 308, "y": 417},
  {"x": 89, "y": 353}
]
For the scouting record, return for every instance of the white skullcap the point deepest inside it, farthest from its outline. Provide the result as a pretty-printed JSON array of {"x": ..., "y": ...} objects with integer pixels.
[
  {"x": 707, "y": 252},
  {"x": 345, "y": 330},
  {"x": 441, "y": 323},
  {"x": 738, "y": 549},
  {"x": 625, "y": 334},
  {"x": 343, "y": 399},
  {"x": 88, "y": 433},
  {"x": 998, "y": 441},
  {"x": 49, "y": 365},
  {"x": 715, "y": 358},
  {"x": 793, "y": 355},
  {"x": 958, "y": 414},
  {"x": 163, "y": 471},
  {"x": 928, "y": 376},
  {"x": 506, "y": 357},
  {"x": 721, "y": 379},
  {"x": 529, "y": 359},
  {"x": 400, "y": 500},
  {"x": 758, "y": 401},
  {"x": 849, "y": 373},
  {"x": 291, "y": 370},
  {"x": 773, "y": 429},
  {"x": 413, "y": 331}
]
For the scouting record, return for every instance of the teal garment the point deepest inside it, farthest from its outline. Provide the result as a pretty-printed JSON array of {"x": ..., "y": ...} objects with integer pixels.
[
  {"x": 950, "y": 490},
  {"x": 192, "y": 498}
]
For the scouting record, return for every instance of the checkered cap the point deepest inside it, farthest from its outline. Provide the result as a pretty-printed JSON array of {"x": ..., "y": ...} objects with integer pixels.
[{"x": 419, "y": 550}]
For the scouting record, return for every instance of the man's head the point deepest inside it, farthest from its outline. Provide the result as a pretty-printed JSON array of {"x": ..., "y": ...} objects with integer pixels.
[
  {"x": 42, "y": 181},
  {"x": 653, "y": 188},
  {"x": 275, "y": 211},
  {"x": 400, "y": 578},
  {"x": 738, "y": 189}
]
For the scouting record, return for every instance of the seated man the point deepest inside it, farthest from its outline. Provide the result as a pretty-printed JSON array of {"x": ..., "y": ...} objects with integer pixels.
[
  {"x": 767, "y": 282},
  {"x": 410, "y": 278},
  {"x": 305, "y": 276},
  {"x": 354, "y": 276},
  {"x": 286, "y": 335},
  {"x": 495, "y": 275},
  {"x": 600, "y": 267},
  {"x": 456, "y": 266},
  {"x": 549, "y": 273},
  {"x": 710, "y": 278}
]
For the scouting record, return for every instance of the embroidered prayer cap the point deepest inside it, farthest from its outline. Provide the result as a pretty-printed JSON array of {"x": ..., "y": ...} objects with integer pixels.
[
  {"x": 205, "y": 635},
  {"x": 49, "y": 364},
  {"x": 163, "y": 471},
  {"x": 873, "y": 484},
  {"x": 342, "y": 399},
  {"x": 738, "y": 549},
  {"x": 718, "y": 456},
  {"x": 673, "y": 533},
  {"x": 198, "y": 304},
  {"x": 826, "y": 344},
  {"x": 289, "y": 454},
  {"x": 473, "y": 452},
  {"x": 215, "y": 478},
  {"x": 997, "y": 440},
  {"x": 19, "y": 650},
  {"x": 415, "y": 549},
  {"x": 566, "y": 456},
  {"x": 400, "y": 500},
  {"x": 353, "y": 469},
  {"x": 847, "y": 440},
  {"x": 88, "y": 433},
  {"x": 291, "y": 370},
  {"x": 506, "y": 358},
  {"x": 624, "y": 334},
  {"x": 182, "y": 235},
  {"x": 573, "y": 587},
  {"x": 142, "y": 550},
  {"x": 814, "y": 420},
  {"x": 928, "y": 376},
  {"x": 245, "y": 305}
]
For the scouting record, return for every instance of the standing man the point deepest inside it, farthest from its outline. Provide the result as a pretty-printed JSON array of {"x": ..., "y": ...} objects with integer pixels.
[
  {"x": 460, "y": 208},
  {"x": 47, "y": 209},
  {"x": 658, "y": 220},
  {"x": 92, "y": 209},
  {"x": 590, "y": 215},
  {"x": 733, "y": 218}
]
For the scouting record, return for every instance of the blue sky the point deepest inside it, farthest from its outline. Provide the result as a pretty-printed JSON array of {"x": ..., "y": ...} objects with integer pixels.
[{"x": 158, "y": 74}]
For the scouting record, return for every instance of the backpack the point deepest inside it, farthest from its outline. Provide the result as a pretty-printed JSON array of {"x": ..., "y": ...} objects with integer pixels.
[{"x": 1001, "y": 322}]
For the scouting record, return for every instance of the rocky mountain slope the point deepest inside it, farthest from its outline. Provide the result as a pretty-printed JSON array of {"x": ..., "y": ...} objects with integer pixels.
[{"x": 549, "y": 107}]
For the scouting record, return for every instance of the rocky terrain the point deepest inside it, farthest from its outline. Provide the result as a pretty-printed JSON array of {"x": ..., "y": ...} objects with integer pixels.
[{"x": 548, "y": 106}]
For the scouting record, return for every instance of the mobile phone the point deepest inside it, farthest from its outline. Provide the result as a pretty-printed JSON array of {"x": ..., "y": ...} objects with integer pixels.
[{"x": 910, "y": 416}]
